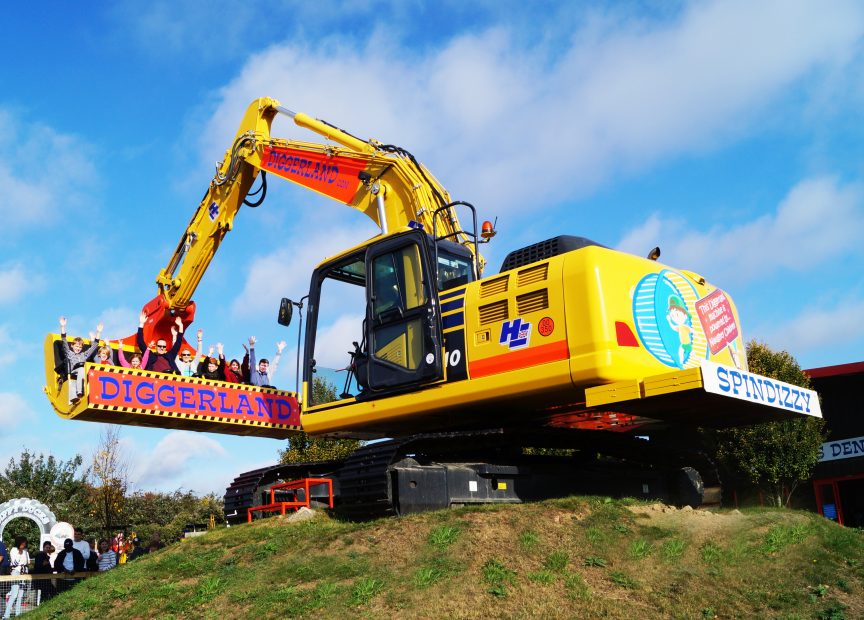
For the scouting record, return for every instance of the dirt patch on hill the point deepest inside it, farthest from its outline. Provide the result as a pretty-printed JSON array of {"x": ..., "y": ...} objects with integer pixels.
[{"x": 701, "y": 525}]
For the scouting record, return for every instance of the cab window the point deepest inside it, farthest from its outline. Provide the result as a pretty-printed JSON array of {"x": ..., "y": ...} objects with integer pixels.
[
  {"x": 397, "y": 282},
  {"x": 453, "y": 270}
]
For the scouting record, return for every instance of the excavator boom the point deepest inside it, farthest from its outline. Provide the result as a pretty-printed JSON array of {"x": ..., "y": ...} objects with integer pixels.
[{"x": 384, "y": 183}]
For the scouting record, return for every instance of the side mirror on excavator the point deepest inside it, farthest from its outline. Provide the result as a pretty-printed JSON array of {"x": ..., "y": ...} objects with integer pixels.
[{"x": 286, "y": 311}]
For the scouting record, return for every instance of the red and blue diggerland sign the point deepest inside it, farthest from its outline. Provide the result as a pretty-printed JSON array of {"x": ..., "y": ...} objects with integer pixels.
[
  {"x": 179, "y": 395},
  {"x": 335, "y": 176}
]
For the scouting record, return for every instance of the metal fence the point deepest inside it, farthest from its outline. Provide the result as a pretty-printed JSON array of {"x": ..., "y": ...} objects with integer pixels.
[{"x": 21, "y": 593}]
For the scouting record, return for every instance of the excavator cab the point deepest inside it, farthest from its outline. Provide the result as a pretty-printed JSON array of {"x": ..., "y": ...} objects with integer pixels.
[
  {"x": 389, "y": 288},
  {"x": 402, "y": 325}
]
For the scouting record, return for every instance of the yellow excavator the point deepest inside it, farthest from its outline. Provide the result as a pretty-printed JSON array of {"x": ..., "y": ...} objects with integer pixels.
[{"x": 575, "y": 368}]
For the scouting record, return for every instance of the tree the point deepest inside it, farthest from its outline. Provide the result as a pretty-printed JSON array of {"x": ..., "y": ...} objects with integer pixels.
[
  {"x": 110, "y": 472},
  {"x": 305, "y": 449},
  {"x": 65, "y": 487},
  {"x": 60, "y": 485},
  {"x": 169, "y": 513},
  {"x": 774, "y": 456}
]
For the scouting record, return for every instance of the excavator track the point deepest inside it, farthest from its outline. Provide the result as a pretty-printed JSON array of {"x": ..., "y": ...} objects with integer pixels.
[
  {"x": 438, "y": 470},
  {"x": 252, "y": 487},
  {"x": 364, "y": 483}
]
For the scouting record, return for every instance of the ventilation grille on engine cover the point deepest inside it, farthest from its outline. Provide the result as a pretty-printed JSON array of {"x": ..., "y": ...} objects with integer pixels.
[{"x": 545, "y": 249}]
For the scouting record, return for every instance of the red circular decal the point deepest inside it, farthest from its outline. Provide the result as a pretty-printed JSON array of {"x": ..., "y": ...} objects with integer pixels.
[{"x": 546, "y": 326}]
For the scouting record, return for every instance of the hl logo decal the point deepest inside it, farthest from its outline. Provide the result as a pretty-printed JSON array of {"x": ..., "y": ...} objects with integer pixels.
[
  {"x": 515, "y": 334},
  {"x": 213, "y": 211}
]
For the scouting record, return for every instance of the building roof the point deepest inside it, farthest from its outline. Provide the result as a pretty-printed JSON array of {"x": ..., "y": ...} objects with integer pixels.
[{"x": 835, "y": 371}]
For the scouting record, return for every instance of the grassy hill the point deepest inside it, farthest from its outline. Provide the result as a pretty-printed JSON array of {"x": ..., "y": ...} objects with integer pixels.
[{"x": 571, "y": 558}]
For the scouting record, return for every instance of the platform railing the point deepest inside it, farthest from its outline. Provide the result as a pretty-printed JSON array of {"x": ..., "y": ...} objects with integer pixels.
[{"x": 295, "y": 487}]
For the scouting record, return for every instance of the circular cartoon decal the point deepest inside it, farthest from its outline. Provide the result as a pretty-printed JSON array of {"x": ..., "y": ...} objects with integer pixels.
[{"x": 664, "y": 311}]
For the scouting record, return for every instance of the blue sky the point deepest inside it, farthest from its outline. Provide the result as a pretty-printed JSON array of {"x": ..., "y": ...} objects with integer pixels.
[{"x": 728, "y": 133}]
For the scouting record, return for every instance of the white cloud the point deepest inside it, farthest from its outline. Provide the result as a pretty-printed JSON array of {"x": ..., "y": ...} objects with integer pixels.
[
  {"x": 198, "y": 28},
  {"x": 286, "y": 271},
  {"x": 11, "y": 349},
  {"x": 118, "y": 322},
  {"x": 170, "y": 458},
  {"x": 822, "y": 328},
  {"x": 505, "y": 127},
  {"x": 16, "y": 281},
  {"x": 333, "y": 342},
  {"x": 13, "y": 410},
  {"x": 42, "y": 172},
  {"x": 820, "y": 219}
]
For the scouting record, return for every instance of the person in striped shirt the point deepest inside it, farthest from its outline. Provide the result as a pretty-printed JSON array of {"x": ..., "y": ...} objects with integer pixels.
[{"x": 107, "y": 557}]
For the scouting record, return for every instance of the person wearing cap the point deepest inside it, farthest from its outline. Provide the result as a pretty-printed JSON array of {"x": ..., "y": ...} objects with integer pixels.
[
  {"x": 70, "y": 559},
  {"x": 680, "y": 321}
]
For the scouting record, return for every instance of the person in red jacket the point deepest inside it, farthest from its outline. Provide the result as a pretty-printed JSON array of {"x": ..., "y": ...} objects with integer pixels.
[{"x": 233, "y": 372}]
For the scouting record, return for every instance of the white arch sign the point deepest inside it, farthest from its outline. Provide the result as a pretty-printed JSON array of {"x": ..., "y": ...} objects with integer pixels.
[{"x": 31, "y": 509}]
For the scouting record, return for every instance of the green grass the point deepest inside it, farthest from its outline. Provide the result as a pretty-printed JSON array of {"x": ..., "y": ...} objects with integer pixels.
[
  {"x": 711, "y": 553},
  {"x": 557, "y": 562},
  {"x": 593, "y": 560},
  {"x": 364, "y": 589},
  {"x": 641, "y": 549},
  {"x": 673, "y": 549},
  {"x": 575, "y": 557},
  {"x": 498, "y": 577},
  {"x": 622, "y": 579},
  {"x": 529, "y": 540},
  {"x": 576, "y": 588},
  {"x": 781, "y": 536},
  {"x": 542, "y": 576},
  {"x": 443, "y": 536}
]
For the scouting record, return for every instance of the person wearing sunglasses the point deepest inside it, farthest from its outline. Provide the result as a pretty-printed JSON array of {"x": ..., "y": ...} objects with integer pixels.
[
  {"x": 163, "y": 359},
  {"x": 186, "y": 362}
]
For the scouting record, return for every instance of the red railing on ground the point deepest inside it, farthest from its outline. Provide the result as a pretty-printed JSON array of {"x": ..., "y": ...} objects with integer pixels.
[{"x": 295, "y": 486}]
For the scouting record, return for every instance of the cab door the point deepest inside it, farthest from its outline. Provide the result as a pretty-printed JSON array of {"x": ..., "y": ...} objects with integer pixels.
[{"x": 403, "y": 326}]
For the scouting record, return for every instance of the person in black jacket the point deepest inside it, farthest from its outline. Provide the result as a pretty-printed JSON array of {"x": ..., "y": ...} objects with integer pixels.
[
  {"x": 91, "y": 564},
  {"x": 163, "y": 360},
  {"x": 42, "y": 566},
  {"x": 211, "y": 368},
  {"x": 66, "y": 564},
  {"x": 42, "y": 560},
  {"x": 68, "y": 561}
]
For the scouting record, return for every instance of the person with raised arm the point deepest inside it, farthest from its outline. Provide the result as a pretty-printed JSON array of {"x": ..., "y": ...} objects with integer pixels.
[
  {"x": 136, "y": 360},
  {"x": 212, "y": 368},
  {"x": 76, "y": 356},
  {"x": 187, "y": 364},
  {"x": 163, "y": 360},
  {"x": 263, "y": 374}
]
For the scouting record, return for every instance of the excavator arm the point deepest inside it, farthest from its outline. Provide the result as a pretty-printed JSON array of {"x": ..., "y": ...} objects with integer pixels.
[{"x": 383, "y": 182}]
